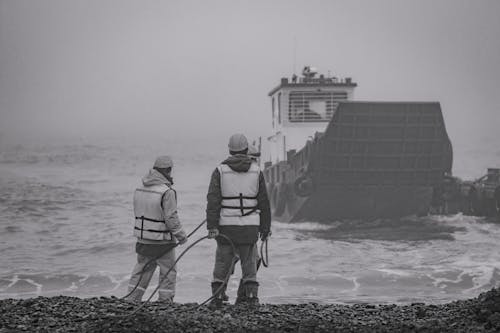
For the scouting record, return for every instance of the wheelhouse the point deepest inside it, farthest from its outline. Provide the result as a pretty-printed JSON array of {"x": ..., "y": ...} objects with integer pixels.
[{"x": 303, "y": 106}]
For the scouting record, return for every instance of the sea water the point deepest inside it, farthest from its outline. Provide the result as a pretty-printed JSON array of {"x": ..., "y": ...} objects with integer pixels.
[{"x": 66, "y": 229}]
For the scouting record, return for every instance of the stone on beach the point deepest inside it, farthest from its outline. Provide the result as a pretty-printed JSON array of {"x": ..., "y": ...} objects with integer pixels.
[{"x": 71, "y": 314}]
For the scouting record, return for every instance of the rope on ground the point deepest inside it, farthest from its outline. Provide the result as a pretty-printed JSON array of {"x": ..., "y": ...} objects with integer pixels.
[
  {"x": 219, "y": 290},
  {"x": 147, "y": 266},
  {"x": 166, "y": 275}
]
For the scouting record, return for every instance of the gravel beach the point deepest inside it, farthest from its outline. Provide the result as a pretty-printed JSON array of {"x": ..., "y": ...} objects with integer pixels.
[{"x": 70, "y": 314}]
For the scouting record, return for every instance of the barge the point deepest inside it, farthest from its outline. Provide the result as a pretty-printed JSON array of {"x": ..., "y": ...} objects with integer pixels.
[{"x": 331, "y": 157}]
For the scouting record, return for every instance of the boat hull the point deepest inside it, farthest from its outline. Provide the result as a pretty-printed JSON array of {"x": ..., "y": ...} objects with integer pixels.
[
  {"x": 375, "y": 160},
  {"x": 366, "y": 202}
]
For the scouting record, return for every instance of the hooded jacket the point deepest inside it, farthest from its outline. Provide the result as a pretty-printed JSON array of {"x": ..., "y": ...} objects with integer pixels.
[
  {"x": 247, "y": 234},
  {"x": 169, "y": 208}
]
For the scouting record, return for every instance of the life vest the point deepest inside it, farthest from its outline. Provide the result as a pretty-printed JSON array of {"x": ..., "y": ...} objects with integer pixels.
[
  {"x": 148, "y": 210},
  {"x": 239, "y": 196}
]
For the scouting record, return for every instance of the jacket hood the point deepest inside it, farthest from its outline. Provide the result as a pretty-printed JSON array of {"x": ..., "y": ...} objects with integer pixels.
[
  {"x": 154, "y": 177},
  {"x": 239, "y": 163}
]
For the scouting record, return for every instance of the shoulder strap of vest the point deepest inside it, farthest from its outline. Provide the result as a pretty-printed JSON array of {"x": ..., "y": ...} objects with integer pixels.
[
  {"x": 254, "y": 167},
  {"x": 165, "y": 193},
  {"x": 221, "y": 168}
]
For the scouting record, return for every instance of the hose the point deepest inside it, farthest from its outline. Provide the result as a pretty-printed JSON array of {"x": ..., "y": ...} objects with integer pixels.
[
  {"x": 146, "y": 267},
  {"x": 215, "y": 294},
  {"x": 264, "y": 258},
  {"x": 218, "y": 291},
  {"x": 94, "y": 326}
]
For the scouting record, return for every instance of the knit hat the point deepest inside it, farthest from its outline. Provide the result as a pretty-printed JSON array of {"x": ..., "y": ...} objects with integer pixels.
[{"x": 164, "y": 162}]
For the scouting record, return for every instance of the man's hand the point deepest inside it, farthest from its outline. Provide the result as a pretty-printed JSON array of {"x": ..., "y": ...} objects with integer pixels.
[
  {"x": 264, "y": 235},
  {"x": 212, "y": 233},
  {"x": 182, "y": 240}
]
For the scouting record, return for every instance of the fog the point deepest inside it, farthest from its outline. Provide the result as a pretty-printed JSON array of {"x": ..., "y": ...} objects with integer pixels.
[{"x": 200, "y": 70}]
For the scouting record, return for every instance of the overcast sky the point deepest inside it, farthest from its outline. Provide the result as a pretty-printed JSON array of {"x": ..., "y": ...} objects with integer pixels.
[{"x": 202, "y": 69}]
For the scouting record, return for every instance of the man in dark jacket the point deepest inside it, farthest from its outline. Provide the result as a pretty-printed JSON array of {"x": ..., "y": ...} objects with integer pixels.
[{"x": 237, "y": 207}]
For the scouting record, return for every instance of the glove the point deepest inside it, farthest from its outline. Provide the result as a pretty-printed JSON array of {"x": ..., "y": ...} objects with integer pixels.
[
  {"x": 181, "y": 237},
  {"x": 182, "y": 240},
  {"x": 264, "y": 235},
  {"x": 212, "y": 233}
]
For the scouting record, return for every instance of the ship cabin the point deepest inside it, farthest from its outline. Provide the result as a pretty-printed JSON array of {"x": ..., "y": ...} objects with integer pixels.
[{"x": 302, "y": 107}]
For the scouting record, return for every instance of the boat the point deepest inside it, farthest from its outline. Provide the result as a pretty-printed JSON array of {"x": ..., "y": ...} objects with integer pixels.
[
  {"x": 480, "y": 197},
  {"x": 332, "y": 157}
]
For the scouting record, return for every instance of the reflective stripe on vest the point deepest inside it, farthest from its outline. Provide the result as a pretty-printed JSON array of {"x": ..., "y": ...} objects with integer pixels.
[
  {"x": 239, "y": 196},
  {"x": 149, "y": 219}
]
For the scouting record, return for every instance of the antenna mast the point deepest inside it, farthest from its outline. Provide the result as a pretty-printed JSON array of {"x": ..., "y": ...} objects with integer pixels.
[{"x": 294, "y": 52}]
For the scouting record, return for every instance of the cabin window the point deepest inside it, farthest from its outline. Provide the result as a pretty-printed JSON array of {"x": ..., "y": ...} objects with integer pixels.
[{"x": 314, "y": 106}]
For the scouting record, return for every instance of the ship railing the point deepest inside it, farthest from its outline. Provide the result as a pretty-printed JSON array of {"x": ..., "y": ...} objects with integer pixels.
[{"x": 322, "y": 80}]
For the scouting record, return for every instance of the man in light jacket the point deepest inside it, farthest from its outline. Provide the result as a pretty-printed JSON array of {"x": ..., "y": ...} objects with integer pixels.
[{"x": 157, "y": 227}]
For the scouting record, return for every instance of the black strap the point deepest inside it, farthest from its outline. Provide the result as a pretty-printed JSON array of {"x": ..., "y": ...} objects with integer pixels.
[
  {"x": 238, "y": 207},
  {"x": 148, "y": 219},
  {"x": 241, "y": 207},
  {"x": 238, "y": 197},
  {"x": 142, "y": 225},
  {"x": 241, "y": 204},
  {"x": 250, "y": 212},
  {"x": 150, "y": 230}
]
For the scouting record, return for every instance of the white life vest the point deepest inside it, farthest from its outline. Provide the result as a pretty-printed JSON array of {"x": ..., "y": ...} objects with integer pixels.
[
  {"x": 149, "y": 217},
  {"x": 239, "y": 196}
]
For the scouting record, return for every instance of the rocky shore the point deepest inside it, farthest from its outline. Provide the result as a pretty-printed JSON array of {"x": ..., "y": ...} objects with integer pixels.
[{"x": 70, "y": 314}]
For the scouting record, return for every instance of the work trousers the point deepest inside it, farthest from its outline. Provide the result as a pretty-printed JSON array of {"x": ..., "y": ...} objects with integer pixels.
[
  {"x": 166, "y": 291},
  {"x": 248, "y": 261}
]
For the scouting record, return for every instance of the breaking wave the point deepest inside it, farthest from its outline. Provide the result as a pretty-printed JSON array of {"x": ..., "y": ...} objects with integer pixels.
[{"x": 65, "y": 222}]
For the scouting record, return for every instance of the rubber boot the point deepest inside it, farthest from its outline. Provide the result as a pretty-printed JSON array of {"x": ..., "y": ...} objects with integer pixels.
[
  {"x": 248, "y": 293},
  {"x": 240, "y": 296},
  {"x": 251, "y": 292},
  {"x": 219, "y": 299}
]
